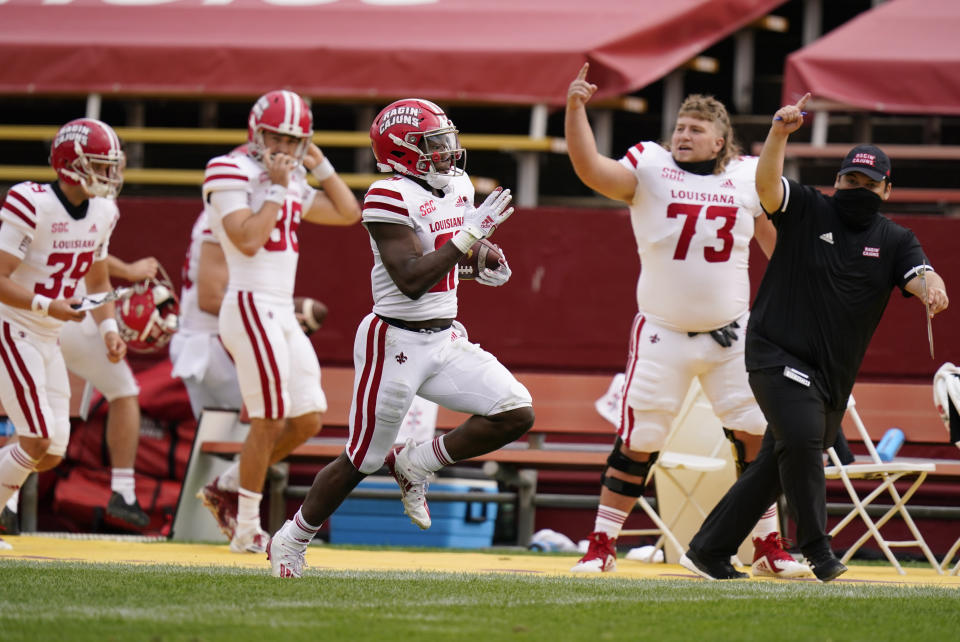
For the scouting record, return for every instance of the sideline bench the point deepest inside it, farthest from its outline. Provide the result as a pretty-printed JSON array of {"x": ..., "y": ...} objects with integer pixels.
[{"x": 568, "y": 434}]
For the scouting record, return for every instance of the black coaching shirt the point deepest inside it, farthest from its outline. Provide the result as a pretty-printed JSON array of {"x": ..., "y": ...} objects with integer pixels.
[{"x": 825, "y": 290}]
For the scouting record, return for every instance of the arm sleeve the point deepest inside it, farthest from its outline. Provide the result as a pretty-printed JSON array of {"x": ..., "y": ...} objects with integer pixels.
[{"x": 228, "y": 201}]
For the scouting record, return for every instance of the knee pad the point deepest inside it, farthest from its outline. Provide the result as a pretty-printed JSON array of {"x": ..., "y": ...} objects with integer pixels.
[
  {"x": 618, "y": 461},
  {"x": 739, "y": 451}
]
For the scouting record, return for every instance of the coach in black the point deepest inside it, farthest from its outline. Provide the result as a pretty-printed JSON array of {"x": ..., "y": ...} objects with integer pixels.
[{"x": 821, "y": 298}]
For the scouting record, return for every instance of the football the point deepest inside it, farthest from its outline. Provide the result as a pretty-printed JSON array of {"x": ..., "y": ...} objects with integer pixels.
[
  {"x": 483, "y": 254},
  {"x": 310, "y": 313}
]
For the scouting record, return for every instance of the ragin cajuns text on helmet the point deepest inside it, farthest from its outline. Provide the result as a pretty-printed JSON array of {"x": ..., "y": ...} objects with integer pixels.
[
  {"x": 414, "y": 137},
  {"x": 87, "y": 152}
]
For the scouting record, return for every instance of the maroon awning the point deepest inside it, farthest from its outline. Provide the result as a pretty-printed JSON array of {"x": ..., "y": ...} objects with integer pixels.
[
  {"x": 900, "y": 57},
  {"x": 519, "y": 51}
]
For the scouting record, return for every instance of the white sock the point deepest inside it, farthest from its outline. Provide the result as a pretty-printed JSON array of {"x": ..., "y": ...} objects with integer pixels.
[
  {"x": 767, "y": 524},
  {"x": 609, "y": 520},
  {"x": 122, "y": 481},
  {"x": 15, "y": 466},
  {"x": 300, "y": 530},
  {"x": 13, "y": 503},
  {"x": 248, "y": 510},
  {"x": 431, "y": 456},
  {"x": 230, "y": 479}
]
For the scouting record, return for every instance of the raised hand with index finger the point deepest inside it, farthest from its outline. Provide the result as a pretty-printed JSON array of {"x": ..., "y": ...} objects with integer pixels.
[
  {"x": 790, "y": 117},
  {"x": 580, "y": 91}
]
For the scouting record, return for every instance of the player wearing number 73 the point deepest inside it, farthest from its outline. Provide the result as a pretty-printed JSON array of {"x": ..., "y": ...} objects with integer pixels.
[
  {"x": 254, "y": 204},
  {"x": 694, "y": 209}
]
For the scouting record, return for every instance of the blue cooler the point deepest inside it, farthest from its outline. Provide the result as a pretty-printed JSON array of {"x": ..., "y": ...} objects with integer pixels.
[{"x": 383, "y": 522}]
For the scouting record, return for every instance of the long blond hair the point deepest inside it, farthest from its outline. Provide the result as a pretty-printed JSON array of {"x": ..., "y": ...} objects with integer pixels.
[{"x": 710, "y": 109}]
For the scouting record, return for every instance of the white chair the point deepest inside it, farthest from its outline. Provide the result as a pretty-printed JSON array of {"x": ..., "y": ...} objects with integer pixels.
[
  {"x": 887, "y": 474},
  {"x": 691, "y": 474},
  {"x": 946, "y": 399}
]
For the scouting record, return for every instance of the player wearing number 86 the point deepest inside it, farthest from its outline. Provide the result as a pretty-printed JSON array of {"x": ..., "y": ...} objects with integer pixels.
[
  {"x": 254, "y": 204},
  {"x": 693, "y": 209}
]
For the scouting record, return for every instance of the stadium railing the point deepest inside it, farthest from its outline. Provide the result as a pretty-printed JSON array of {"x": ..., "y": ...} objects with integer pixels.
[{"x": 232, "y": 137}]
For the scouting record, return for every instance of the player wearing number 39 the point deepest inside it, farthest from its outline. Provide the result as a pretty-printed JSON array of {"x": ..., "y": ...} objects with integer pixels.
[
  {"x": 52, "y": 236},
  {"x": 421, "y": 222},
  {"x": 254, "y": 204},
  {"x": 694, "y": 209}
]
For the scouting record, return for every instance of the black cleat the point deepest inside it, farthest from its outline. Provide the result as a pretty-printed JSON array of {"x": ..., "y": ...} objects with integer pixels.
[
  {"x": 9, "y": 522},
  {"x": 129, "y": 513},
  {"x": 710, "y": 568},
  {"x": 826, "y": 566}
]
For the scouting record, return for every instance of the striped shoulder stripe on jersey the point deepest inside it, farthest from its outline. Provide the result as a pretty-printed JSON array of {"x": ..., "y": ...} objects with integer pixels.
[
  {"x": 18, "y": 205},
  {"x": 364, "y": 421},
  {"x": 386, "y": 200},
  {"x": 218, "y": 170},
  {"x": 633, "y": 154},
  {"x": 23, "y": 384}
]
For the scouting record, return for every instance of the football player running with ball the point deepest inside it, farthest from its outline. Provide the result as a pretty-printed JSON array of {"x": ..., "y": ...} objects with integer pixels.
[
  {"x": 421, "y": 222},
  {"x": 254, "y": 204},
  {"x": 693, "y": 209},
  {"x": 52, "y": 237}
]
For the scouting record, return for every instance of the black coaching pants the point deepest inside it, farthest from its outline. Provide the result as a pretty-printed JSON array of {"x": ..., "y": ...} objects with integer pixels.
[{"x": 799, "y": 427}]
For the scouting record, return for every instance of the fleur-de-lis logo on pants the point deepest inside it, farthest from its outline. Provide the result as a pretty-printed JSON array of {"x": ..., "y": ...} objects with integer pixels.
[{"x": 401, "y": 358}]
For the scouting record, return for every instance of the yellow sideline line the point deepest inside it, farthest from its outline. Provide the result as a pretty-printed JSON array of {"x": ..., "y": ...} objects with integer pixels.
[{"x": 51, "y": 549}]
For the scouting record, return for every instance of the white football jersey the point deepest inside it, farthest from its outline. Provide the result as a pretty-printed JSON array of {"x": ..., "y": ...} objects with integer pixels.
[
  {"x": 693, "y": 234},
  {"x": 400, "y": 200},
  {"x": 192, "y": 318},
  {"x": 56, "y": 250},
  {"x": 270, "y": 272}
]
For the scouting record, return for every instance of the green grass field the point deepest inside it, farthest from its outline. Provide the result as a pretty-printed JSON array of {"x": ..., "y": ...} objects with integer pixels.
[{"x": 104, "y": 602}]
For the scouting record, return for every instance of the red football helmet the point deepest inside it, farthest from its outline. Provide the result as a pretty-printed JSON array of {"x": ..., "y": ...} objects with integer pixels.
[
  {"x": 414, "y": 137},
  {"x": 281, "y": 112},
  {"x": 149, "y": 317},
  {"x": 87, "y": 152}
]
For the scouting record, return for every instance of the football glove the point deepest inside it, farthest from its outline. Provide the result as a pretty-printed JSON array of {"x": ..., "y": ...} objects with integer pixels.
[
  {"x": 480, "y": 222},
  {"x": 495, "y": 278}
]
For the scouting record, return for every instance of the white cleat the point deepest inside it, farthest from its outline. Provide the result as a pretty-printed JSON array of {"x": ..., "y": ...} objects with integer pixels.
[
  {"x": 249, "y": 541},
  {"x": 413, "y": 484},
  {"x": 286, "y": 555}
]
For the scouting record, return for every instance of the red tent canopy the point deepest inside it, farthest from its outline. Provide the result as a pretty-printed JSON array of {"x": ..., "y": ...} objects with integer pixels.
[
  {"x": 520, "y": 51},
  {"x": 901, "y": 57}
]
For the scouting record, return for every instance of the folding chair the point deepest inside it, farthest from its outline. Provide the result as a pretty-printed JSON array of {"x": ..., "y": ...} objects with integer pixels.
[
  {"x": 692, "y": 472},
  {"x": 946, "y": 399},
  {"x": 887, "y": 473}
]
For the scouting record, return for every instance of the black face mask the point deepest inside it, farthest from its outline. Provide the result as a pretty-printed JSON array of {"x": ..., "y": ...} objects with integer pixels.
[{"x": 858, "y": 207}]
